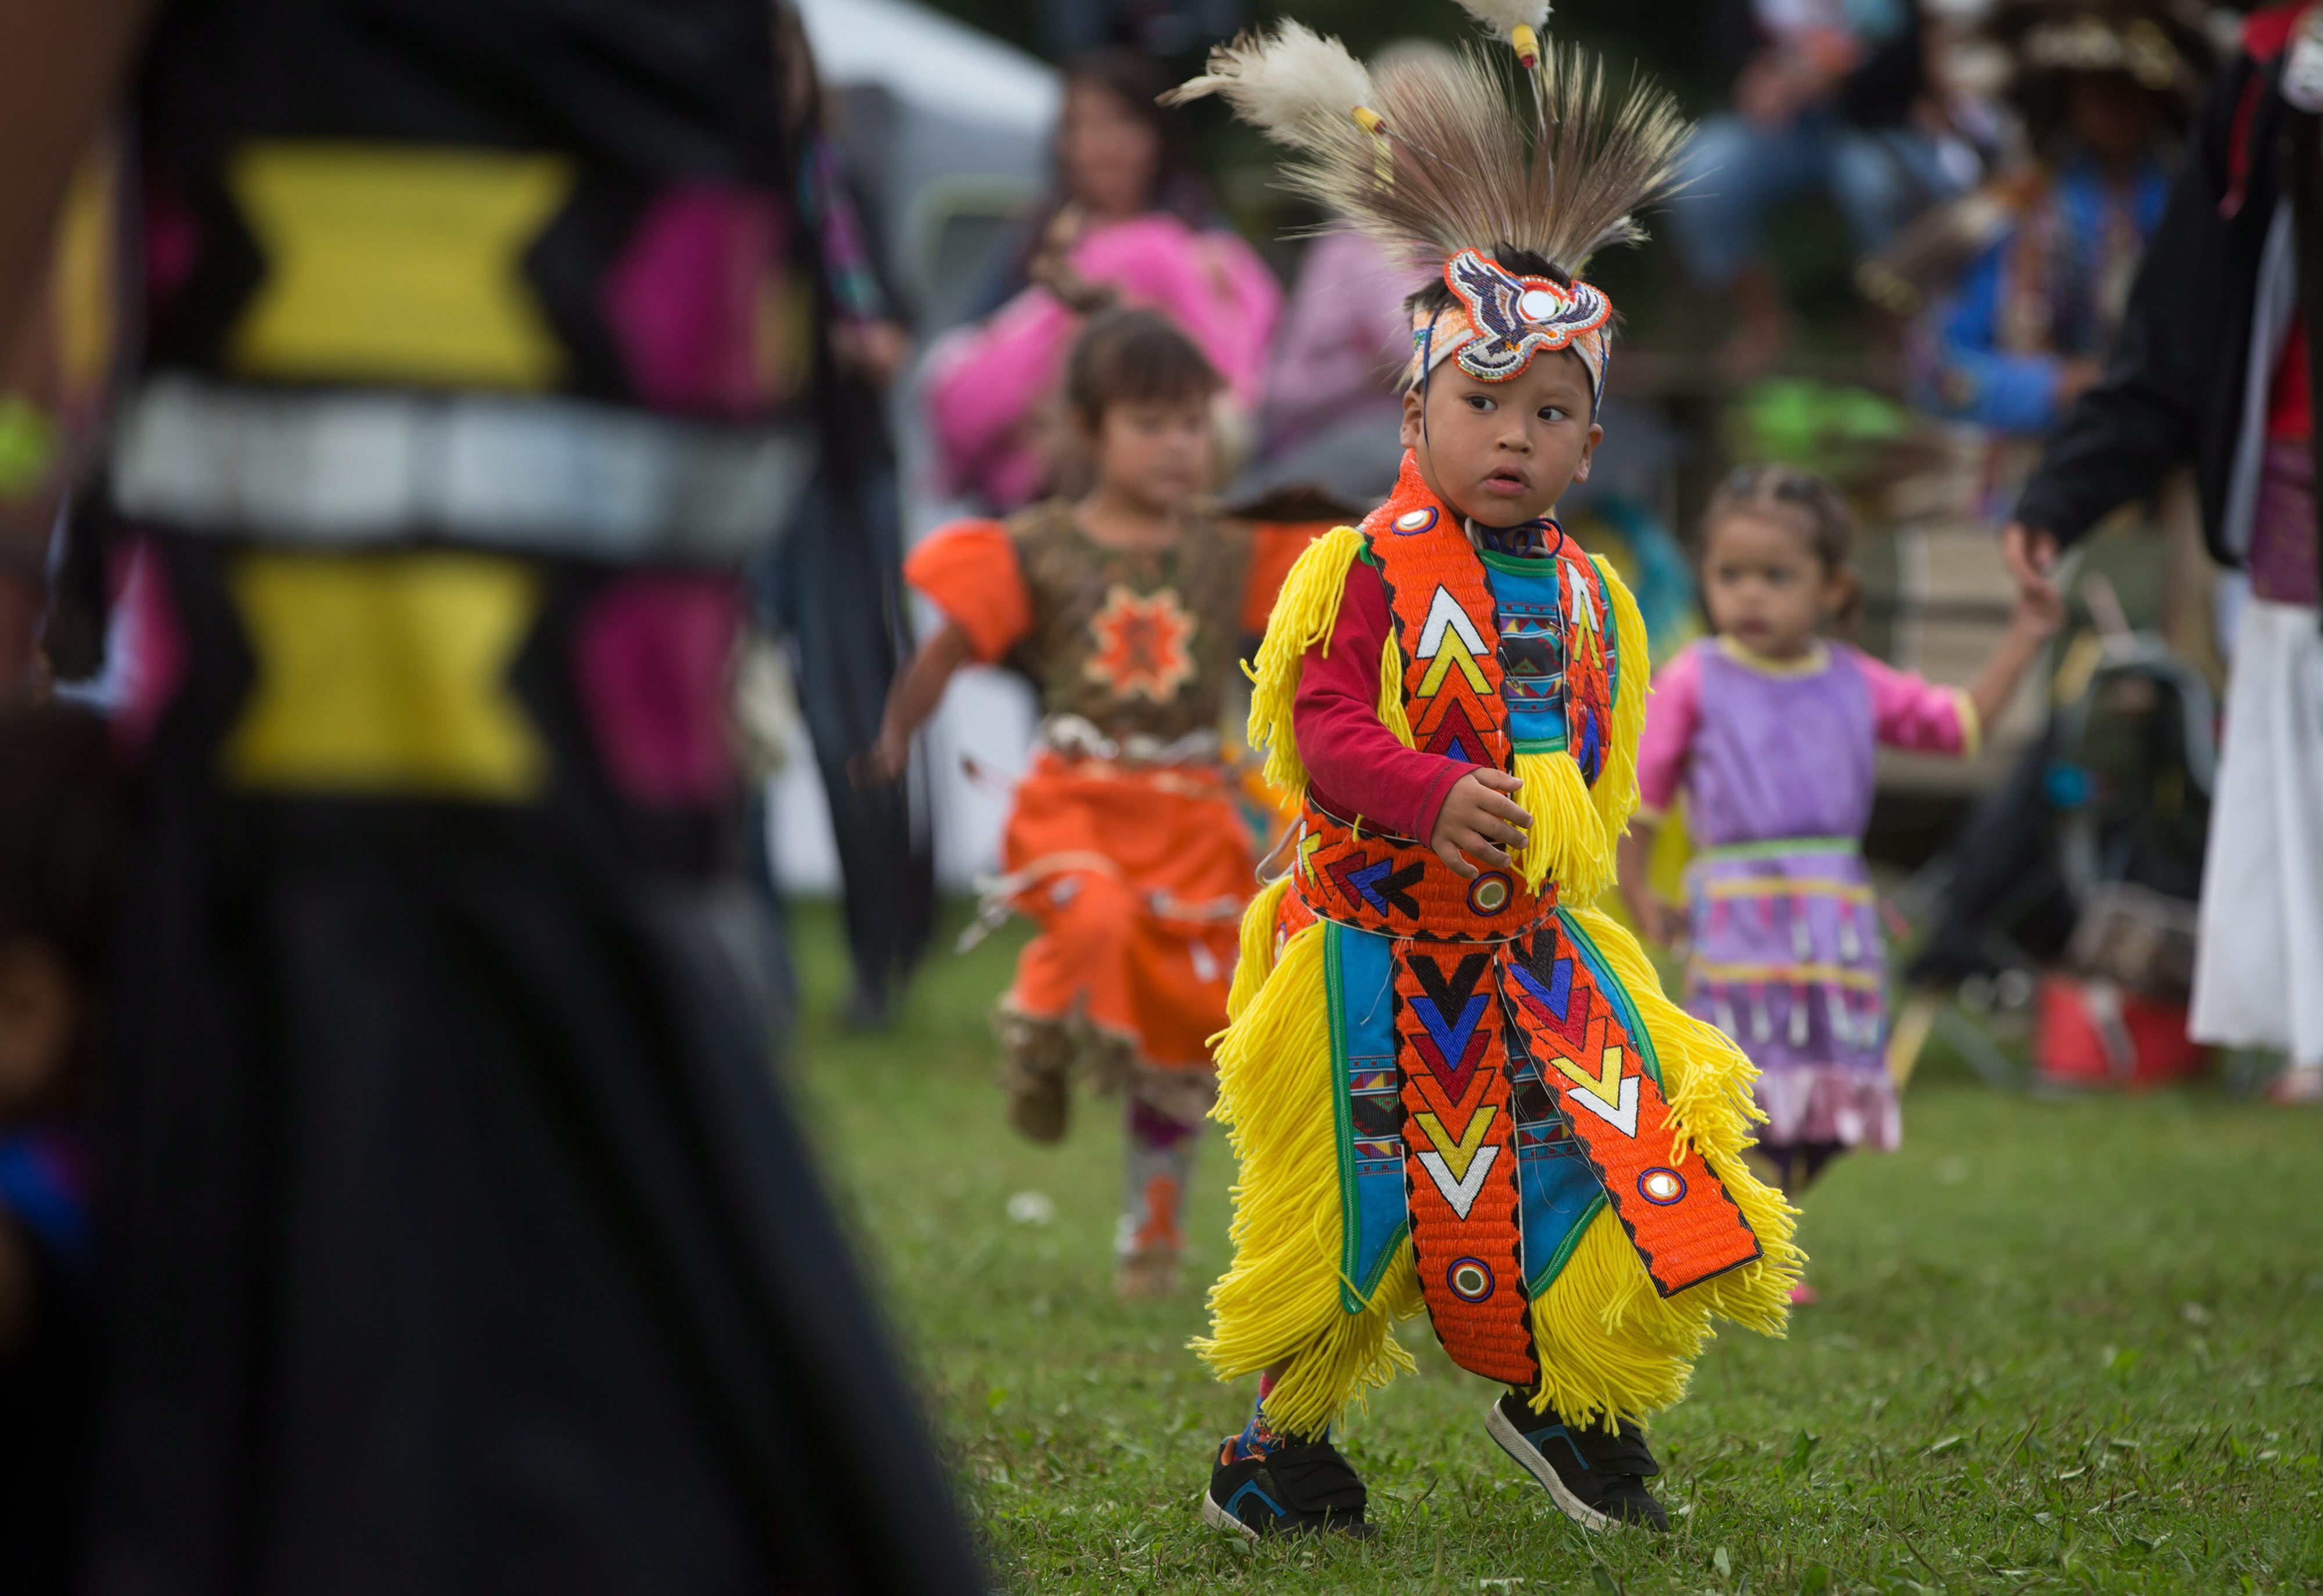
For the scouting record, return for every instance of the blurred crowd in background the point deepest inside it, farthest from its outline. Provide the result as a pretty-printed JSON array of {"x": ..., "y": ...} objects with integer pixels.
[{"x": 1908, "y": 233}]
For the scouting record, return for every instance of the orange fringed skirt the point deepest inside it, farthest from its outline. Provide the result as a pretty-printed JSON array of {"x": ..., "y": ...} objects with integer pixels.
[{"x": 1137, "y": 877}]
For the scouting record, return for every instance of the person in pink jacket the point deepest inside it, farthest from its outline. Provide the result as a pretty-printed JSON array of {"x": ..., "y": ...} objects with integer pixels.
[{"x": 1129, "y": 227}]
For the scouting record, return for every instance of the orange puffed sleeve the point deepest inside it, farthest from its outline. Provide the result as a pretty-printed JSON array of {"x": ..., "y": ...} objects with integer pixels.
[
  {"x": 1274, "y": 548},
  {"x": 968, "y": 570}
]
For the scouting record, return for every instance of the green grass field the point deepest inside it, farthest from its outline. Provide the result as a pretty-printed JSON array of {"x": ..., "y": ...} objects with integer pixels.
[{"x": 2070, "y": 1345}]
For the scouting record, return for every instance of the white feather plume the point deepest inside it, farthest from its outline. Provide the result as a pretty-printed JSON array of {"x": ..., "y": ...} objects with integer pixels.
[
  {"x": 1503, "y": 17},
  {"x": 1286, "y": 83}
]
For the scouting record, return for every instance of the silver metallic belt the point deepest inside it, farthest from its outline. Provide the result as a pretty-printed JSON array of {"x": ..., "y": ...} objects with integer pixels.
[
  {"x": 553, "y": 476},
  {"x": 1078, "y": 737}
]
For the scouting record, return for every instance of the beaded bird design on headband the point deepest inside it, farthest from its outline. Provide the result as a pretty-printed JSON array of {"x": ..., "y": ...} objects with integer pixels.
[{"x": 1448, "y": 162}]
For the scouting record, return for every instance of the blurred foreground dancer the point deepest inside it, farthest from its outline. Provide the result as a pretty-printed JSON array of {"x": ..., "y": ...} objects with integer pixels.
[
  {"x": 2216, "y": 360},
  {"x": 1455, "y": 1084},
  {"x": 1127, "y": 842},
  {"x": 454, "y": 1236}
]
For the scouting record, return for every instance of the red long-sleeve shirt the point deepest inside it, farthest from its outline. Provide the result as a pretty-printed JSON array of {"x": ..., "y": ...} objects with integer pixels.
[{"x": 1356, "y": 766}]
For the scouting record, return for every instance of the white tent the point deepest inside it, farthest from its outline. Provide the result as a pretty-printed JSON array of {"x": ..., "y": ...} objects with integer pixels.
[
  {"x": 947, "y": 130},
  {"x": 931, "y": 62}
]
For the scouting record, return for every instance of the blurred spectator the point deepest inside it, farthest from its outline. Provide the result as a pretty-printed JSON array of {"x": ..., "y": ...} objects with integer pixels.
[
  {"x": 2024, "y": 282},
  {"x": 2214, "y": 364},
  {"x": 1344, "y": 346},
  {"x": 2104, "y": 89},
  {"x": 1835, "y": 96},
  {"x": 830, "y": 588},
  {"x": 1334, "y": 386},
  {"x": 1129, "y": 224}
]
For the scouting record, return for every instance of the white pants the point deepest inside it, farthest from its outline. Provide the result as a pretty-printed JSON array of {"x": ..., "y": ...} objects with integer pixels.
[{"x": 2258, "y": 975}]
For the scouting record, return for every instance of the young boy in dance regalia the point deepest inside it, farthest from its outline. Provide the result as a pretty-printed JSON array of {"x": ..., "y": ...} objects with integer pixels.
[{"x": 1454, "y": 1085}]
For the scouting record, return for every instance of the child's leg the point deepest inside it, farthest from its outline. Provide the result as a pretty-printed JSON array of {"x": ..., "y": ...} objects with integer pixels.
[
  {"x": 1793, "y": 1166},
  {"x": 1597, "y": 1477},
  {"x": 1270, "y": 1481},
  {"x": 1280, "y": 1304},
  {"x": 1157, "y": 1171},
  {"x": 1074, "y": 972},
  {"x": 1278, "y": 1312}
]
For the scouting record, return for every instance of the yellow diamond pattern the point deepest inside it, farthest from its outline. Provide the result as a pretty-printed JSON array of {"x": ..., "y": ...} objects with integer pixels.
[
  {"x": 385, "y": 673},
  {"x": 388, "y": 263}
]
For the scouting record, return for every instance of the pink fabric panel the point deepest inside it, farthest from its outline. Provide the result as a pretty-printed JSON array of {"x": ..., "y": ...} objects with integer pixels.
[
  {"x": 173, "y": 241},
  {"x": 985, "y": 389},
  {"x": 1910, "y": 711},
  {"x": 1673, "y": 711},
  {"x": 149, "y": 643},
  {"x": 1356, "y": 765},
  {"x": 686, "y": 298},
  {"x": 986, "y": 385},
  {"x": 1344, "y": 340},
  {"x": 651, "y": 656}
]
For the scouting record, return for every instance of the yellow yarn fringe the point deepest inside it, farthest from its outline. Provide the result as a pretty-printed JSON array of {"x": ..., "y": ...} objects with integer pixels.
[
  {"x": 1390, "y": 695},
  {"x": 1616, "y": 791},
  {"x": 1302, "y": 617},
  {"x": 1256, "y": 959},
  {"x": 1611, "y": 1346},
  {"x": 1281, "y": 1299},
  {"x": 1576, "y": 825},
  {"x": 1567, "y": 843}
]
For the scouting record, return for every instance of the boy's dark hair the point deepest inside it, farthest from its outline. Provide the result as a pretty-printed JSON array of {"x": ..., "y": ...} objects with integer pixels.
[
  {"x": 62, "y": 826},
  {"x": 1131, "y": 357},
  {"x": 1785, "y": 493}
]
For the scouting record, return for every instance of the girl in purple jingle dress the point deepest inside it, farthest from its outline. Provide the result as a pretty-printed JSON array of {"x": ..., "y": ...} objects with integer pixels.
[{"x": 1771, "y": 729}]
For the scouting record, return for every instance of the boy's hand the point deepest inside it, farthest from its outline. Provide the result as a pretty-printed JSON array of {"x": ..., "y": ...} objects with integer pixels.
[{"x": 1478, "y": 818}]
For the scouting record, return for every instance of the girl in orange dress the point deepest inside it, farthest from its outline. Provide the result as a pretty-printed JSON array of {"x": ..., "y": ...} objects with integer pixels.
[{"x": 1128, "y": 844}]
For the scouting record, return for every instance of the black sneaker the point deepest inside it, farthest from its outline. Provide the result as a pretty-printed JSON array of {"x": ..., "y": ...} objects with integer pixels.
[
  {"x": 1300, "y": 1488},
  {"x": 1596, "y": 1479}
]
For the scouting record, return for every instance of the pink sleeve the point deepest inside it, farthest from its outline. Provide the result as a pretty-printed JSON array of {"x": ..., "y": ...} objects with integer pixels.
[
  {"x": 1212, "y": 284},
  {"x": 1910, "y": 711},
  {"x": 1672, "y": 712},
  {"x": 1342, "y": 332},
  {"x": 985, "y": 384}
]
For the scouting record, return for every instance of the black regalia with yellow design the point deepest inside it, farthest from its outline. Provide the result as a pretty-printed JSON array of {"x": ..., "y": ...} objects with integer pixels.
[{"x": 456, "y": 1238}]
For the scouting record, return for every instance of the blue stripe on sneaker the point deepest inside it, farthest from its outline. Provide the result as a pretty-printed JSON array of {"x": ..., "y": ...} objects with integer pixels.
[
  {"x": 1540, "y": 1439},
  {"x": 1250, "y": 1487}
]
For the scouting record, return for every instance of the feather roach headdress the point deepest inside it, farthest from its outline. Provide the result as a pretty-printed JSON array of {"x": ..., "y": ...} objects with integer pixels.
[{"x": 1445, "y": 161}]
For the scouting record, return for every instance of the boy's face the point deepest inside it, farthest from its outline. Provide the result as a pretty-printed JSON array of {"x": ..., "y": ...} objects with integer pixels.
[
  {"x": 1157, "y": 452},
  {"x": 1504, "y": 452}
]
